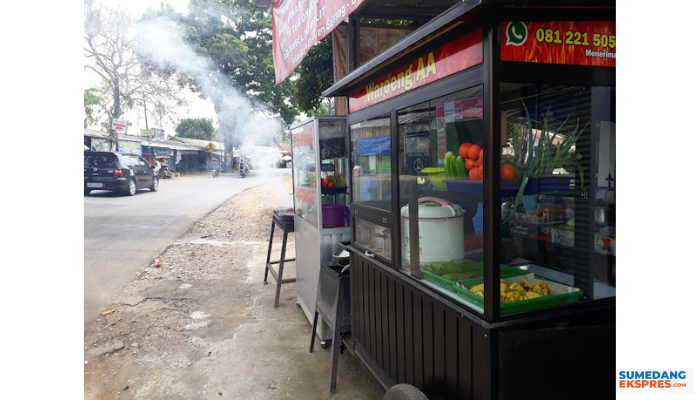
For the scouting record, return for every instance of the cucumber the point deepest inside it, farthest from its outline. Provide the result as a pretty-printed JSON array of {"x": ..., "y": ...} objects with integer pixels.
[{"x": 449, "y": 171}]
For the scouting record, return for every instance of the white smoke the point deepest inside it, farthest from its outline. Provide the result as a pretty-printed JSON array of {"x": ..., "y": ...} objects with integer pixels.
[{"x": 240, "y": 119}]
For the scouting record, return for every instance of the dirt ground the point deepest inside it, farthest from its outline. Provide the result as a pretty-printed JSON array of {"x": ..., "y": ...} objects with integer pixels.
[{"x": 198, "y": 323}]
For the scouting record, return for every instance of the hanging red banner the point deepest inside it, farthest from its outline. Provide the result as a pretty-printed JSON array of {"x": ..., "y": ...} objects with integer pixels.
[
  {"x": 559, "y": 42},
  {"x": 299, "y": 24},
  {"x": 453, "y": 57}
]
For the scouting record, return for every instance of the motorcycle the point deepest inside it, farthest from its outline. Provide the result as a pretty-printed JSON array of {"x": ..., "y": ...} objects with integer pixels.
[
  {"x": 215, "y": 172},
  {"x": 243, "y": 167}
]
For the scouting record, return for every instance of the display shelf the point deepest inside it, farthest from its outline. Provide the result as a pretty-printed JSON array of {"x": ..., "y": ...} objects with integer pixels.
[
  {"x": 511, "y": 187},
  {"x": 336, "y": 190}
]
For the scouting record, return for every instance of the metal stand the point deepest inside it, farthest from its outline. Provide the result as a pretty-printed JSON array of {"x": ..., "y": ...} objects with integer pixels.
[
  {"x": 333, "y": 305},
  {"x": 286, "y": 223}
]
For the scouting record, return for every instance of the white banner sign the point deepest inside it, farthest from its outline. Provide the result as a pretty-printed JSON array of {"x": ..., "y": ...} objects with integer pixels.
[{"x": 120, "y": 125}]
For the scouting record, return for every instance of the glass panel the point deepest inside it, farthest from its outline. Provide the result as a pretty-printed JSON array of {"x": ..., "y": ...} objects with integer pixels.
[
  {"x": 558, "y": 187},
  {"x": 305, "y": 182},
  {"x": 374, "y": 237},
  {"x": 442, "y": 212},
  {"x": 371, "y": 141},
  {"x": 334, "y": 161}
]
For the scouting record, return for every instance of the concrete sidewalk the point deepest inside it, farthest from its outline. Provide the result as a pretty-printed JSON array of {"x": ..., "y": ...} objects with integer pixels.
[{"x": 198, "y": 323}]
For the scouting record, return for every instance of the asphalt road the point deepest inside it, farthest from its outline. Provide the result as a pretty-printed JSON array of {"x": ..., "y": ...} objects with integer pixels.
[{"x": 123, "y": 234}]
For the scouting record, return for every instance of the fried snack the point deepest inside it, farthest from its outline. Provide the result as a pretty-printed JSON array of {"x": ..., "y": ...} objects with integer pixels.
[
  {"x": 542, "y": 288},
  {"x": 516, "y": 291},
  {"x": 514, "y": 296},
  {"x": 516, "y": 286},
  {"x": 525, "y": 285},
  {"x": 532, "y": 295}
]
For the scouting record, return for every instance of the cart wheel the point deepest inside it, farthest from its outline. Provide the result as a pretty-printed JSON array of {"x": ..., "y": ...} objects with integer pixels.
[
  {"x": 404, "y": 391},
  {"x": 325, "y": 344}
]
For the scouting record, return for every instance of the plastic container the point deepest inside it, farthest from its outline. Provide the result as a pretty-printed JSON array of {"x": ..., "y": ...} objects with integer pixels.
[
  {"x": 333, "y": 215},
  {"x": 508, "y": 187},
  {"x": 560, "y": 295},
  {"x": 476, "y": 268},
  {"x": 550, "y": 184},
  {"x": 436, "y": 175}
]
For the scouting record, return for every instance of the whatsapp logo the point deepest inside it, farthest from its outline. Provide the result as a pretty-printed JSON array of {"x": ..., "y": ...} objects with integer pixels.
[{"x": 516, "y": 33}]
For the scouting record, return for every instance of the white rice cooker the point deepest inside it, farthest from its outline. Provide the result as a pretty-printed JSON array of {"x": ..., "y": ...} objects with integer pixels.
[{"x": 440, "y": 231}]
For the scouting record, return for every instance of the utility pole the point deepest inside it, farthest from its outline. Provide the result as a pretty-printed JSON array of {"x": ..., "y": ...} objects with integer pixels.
[{"x": 148, "y": 137}]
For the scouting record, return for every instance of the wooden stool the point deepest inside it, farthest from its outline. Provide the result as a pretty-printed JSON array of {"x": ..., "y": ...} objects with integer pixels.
[{"x": 286, "y": 223}]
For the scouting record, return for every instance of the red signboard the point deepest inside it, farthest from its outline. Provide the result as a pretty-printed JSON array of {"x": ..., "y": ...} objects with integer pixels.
[
  {"x": 453, "y": 57},
  {"x": 559, "y": 42},
  {"x": 299, "y": 24}
]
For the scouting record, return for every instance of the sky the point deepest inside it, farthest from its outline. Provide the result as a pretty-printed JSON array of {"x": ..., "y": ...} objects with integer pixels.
[{"x": 197, "y": 107}]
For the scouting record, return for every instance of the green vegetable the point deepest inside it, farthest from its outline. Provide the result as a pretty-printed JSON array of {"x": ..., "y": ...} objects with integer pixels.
[
  {"x": 449, "y": 171},
  {"x": 541, "y": 160},
  {"x": 461, "y": 167}
]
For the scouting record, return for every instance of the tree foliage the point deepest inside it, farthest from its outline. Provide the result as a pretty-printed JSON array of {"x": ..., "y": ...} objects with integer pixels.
[
  {"x": 127, "y": 81},
  {"x": 195, "y": 128},
  {"x": 315, "y": 75},
  {"x": 90, "y": 101},
  {"x": 238, "y": 38}
]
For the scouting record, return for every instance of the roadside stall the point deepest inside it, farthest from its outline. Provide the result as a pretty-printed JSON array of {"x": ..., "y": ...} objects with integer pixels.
[
  {"x": 482, "y": 203},
  {"x": 320, "y": 175}
]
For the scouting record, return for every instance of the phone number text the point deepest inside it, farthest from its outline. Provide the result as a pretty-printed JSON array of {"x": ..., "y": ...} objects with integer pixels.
[{"x": 574, "y": 38}]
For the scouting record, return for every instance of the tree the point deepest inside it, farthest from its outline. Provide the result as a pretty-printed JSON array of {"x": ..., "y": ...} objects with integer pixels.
[
  {"x": 315, "y": 75},
  {"x": 195, "y": 128},
  {"x": 128, "y": 82},
  {"x": 238, "y": 38},
  {"x": 90, "y": 100}
]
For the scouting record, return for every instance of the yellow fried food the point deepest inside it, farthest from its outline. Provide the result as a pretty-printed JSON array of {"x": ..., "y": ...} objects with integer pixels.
[
  {"x": 542, "y": 288},
  {"x": 479, "y": 293},
  {"x": 503, "y": 297},
  {"x": 514, "y": 296},
  {"x": 516, "y": 286},
  {"x": 525, "y": 285},
  {"x": 532, "y": 295},
  {"x": 477, "y": 288},
  {"x": 504, "y": 286}
]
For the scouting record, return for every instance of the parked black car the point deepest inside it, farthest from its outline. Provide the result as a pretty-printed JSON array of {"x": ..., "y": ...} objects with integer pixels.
[{"x": 126, "y": 173}]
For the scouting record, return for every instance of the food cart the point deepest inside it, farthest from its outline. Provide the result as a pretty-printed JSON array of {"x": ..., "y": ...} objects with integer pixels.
[
  {"x": 319, "y": 150},
  {"x": 532, "y": 86}
]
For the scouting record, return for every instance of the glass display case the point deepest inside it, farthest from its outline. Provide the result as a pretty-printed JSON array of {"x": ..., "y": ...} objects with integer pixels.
[
  {"x": 485, "y": 158},
  {"x": 424, "y": 215},
  {"x": 321, "y": 212}
]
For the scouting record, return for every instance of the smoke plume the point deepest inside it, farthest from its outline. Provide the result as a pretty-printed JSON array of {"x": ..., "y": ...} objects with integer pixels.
[{"x": 242, "y": 121}]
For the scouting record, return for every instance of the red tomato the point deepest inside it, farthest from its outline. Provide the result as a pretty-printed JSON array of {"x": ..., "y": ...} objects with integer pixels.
[
  {"x": 331, "y": 184},
  {"x": 464, "y": 150}
]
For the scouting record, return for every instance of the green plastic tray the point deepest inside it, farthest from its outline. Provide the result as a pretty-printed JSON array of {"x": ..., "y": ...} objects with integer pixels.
[
  {"x": 562, "y": 294},
  {"x": 476, "y": 267}
]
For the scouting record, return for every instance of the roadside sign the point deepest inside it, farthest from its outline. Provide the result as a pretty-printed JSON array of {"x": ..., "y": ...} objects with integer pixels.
[
  {"x": 148, "y": 132},
  {"x": 211, "y": 146},
  {"x": 120, "y": 125}
]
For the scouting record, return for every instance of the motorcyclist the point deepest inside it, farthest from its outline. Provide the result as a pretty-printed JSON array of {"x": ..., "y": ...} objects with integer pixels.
[{"x": 214, "y": 166}]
